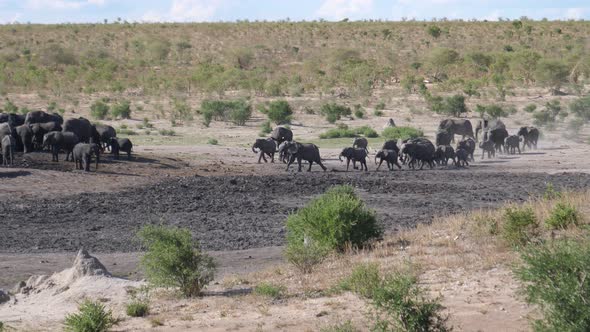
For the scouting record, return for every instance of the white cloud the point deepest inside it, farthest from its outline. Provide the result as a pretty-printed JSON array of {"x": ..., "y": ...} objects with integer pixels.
[
  {"x": 185, "y": 11},
  {"x": 575, "y": 13},
  {"x": 339, "y": 9},
  {"x": 61, "y": 4},
  {"x": 493, "y": 16}
]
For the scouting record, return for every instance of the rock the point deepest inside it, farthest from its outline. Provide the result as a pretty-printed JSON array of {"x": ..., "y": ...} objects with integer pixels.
[{"x": 4, "y": 297}]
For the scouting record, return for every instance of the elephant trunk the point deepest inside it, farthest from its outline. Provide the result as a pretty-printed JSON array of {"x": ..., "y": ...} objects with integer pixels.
[
  {"x": 340, "y": 157},
  {"x": 254, "y": 149}
]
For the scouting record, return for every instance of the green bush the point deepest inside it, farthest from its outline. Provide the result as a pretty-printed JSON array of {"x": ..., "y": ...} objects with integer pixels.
[
  {"x": 305, "y": 256},
  {"x": 344, "y": 131},
  {"x": 240, "y": 113},
  {"x": 2, "y": 327},
  {"x": 380, "y": 106},
  {"x": 91, "y": 317},
  {"x": 520, "y": 225},
  {"x": 363, "y": 280},
  {"x": 378, "y": 113},
  {"x": 212, "y": 141},
  {"x": 530, "y": 108},
  {"x": 270, "y": 290},
  {"x": 278, "y": 111},
  {"x": 99, "y": 110},
  {"x": 174, "y": 259},
  {"x": 359, "y": 113},
  {"x": 333, "y": 220},
  {"x": 562, "y": 216},
  {"x": 401, "y": 305},
  {"x": 366, "y": 131},
  {"x": 453, "y": 105},
  {"x": 434, "y": 31},
  {"x": 552, "y": 74},
  {"x": 581, "y": 108},
  {"x": 137, "y": 309},
  {"x": 128, "y": 132},
  {"x": 167, "y": 132},
  {"x": 265, "y": 128},
  {"x": 122, "y": 110},
  {"x": 555, "y": 279},
  {"x": 493, "y": 111},
  {"x": 334, "y": 112},
  {"x": 235, "y": 111},
  {"x": 10, "y": 107},
  {"x": 401, "y": 133}
]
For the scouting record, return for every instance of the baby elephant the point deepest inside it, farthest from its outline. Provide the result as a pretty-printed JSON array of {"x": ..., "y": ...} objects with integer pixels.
[
  {"x": 121, "y": 144},
  {"x": 83, "y": 155},
  {"x": 355, "y": 155},
  {"x": 443, "y": 153},
  {"x": 266, "y": 147},
  {"x": 8, "y": 144},
  {"x": 489, "y": 147},
  {"x": 512, "y": 144},
  {"x": 462, "y": 157},
  {"x": 390, "y": 156}
]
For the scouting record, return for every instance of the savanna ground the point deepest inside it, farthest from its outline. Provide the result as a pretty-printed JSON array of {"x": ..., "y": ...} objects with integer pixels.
[{"x": 236, "y": 207}]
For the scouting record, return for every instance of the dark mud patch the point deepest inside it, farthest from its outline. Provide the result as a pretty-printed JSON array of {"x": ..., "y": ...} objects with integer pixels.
[{"x": 241, "y": 212}]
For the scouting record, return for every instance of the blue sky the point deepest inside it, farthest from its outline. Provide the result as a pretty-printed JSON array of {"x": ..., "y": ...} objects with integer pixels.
[{"x": 57, "y": 11}]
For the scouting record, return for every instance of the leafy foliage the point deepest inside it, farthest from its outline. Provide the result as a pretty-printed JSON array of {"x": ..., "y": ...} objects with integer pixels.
[
  {"x": 363, "y": 280},
  {"x": 91, "y": 317},
  {"x": 493, "y": 111},
  {"x": 401, "y": 133},
  {"x": 137, "y": 309},
  {"x": 122, "y": 110},
  {"x": 235, "y": 111},
  {"x": 562, "y": 216},
  {"x": 270, "y": 290},
  {"x": 99, "y": 110},
  {"x": 334, "y": 112},
  {"x": 344, "y": 131},
  {"x": 581, "y": 108},
  {"x": 520, "y": 225},
  {"x": 278, "y": 111},
  {"x": 453, "y": 105},
  {"x": 552, "y": 74}
]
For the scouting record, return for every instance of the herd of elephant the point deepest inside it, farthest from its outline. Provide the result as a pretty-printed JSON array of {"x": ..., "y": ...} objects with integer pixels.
[
  {"x": 415, "y": 153},
  {"x": 78, "y": 138}
]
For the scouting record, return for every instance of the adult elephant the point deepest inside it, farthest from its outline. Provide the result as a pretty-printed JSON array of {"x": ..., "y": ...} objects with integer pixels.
[
  {"x": 485, "y": 125},
  {"x": 57, "y": 140},
  {"x": 355, "y": 155},
  {"x": 443, "y": 137},
  {"x": 281, "y": 134},
  {"x": 5, "y": 130},
  {"x": 454, "y": 127},
  {"x": 360, "y": 143},
  {"x": 104, "y": 133},
  {"x": 421, "y": 152},
  {"x": 40, "y": 129},
  {"x": 391, "y": 145},
  {"x": 309, "y": 152},
  {"x": 498, "y": 136},
  {"x": 13, "y": 119},
  {"x": 121, "y": 145},
  {"x": 267, "y": 147},
  {"x": 530, "y": 136},
  {"x": 82, "y": 128},
  {"x": 24, "y": 138},
  {"x": 43, "y": 117}
]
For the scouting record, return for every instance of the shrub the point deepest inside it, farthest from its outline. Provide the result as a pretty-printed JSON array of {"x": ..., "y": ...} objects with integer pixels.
[
  {"x": 344, "y": 131},
  {"x": 562, "y": 216},
  {"x": 554, "y": 277},
  {"x": 99, "y": 110},
  {"x": 453, "y": 105},
  {"x": 434, "y": 31},
  {"x": 270, "y": 290},
  {"x": 122, "y": 110},
  {"x": 401, "y": 133},
  {"x": 265, "y": 128},
  {"x": 137, "y": 309},
  {"x": 52, "y": 107},
  {"x": 519, "y": 225},
  {"x": 530, "y": 108},
  {"x": 10, "y": 107},
  {"x": 334, "y": 112},
  {"x": 401, "y": 305},
  {"x": 493, "y": 111},
  {"x": 305, "y": 256},
  {"x": 91, "y": 317},
  {"x": 363, "y": 280},
  {"x": 552, "y": 74},
  {"x": 2, "y": 329},
  {"x": 278, "y": 111},
  {"x": 333, "y": 220},
  {"x": 366, "y": 131},
  {"x": 240, "y": 113},
  {"x": 358, "y": 112},
  {"x": 212, "y": 141},
  {"x": 181, "y": 111},
  {"x": 380, "y": 106},
  {"x": 343, "y": 327},
  {"x": 174, "y": 259},
  {"x": 551, "y": 192},
  {"x": 236, "y": 111},
  {"x": 581, "y": 108},
  {"x": 167, "y": 132},
  {"x": 378, "y": 113}
]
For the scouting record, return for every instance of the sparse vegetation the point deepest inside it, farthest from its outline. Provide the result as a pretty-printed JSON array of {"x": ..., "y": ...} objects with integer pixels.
[
  {"x": 91, "y": 317},
  {"x": 99, "y": 110},
  {"x": 342, "y": 327},
  {"x": 212, "y": 141},
  {"x": 492, "y": 111},
  {"x": 137, "y": 309},
  {"x": 265, "y": 128},
  {"x": 343, "y": 131},
  {"x": 236, "y": 111},
  {"x": 520, "y": 225},
  {"x": 363, "y": 280},
  {"x": 334, "y": 112},
  {"x": 121, "y": 110},
  {"x": 562, "y": 216},
  {"x": 270, "y": 290},
  {"x": 401, "y": 133},
  {"x": 167, "y": 132},
  {"x": 174, "y": 259},
  {"x": 278, "y": 111}
]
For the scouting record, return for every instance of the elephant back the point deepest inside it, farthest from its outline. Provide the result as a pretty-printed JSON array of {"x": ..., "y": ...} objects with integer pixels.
[
  {"x": 81, "y": 127},
  {"x": 282, "y": 134}
]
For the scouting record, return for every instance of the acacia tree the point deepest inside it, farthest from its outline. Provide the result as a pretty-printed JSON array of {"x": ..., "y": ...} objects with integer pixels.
[
  {"x": 552, "y": 74},
  {"x": 440, "y": 60}
]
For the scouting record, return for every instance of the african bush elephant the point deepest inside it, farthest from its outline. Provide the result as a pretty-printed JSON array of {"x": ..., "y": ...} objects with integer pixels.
[
  {"x": 512, "y": 144},
  {"x": 309, "y": 152},
  {"x": 103, "y": 135},
  {"x": 284, "y": 154},
  {"x": 266, "y": 146},
  {"x": 421, "y": 152},
  {"x": 443, "y": 153},
  {"x": 360, "y": 143},
  {"x": 82, "y": 128},
  {"x": 485, "y": 125},
  {"x": 468, "y": 145},
  {"x": 355, "y": 155},
  {"x": 391, "y": 145},
  {"x": 489, "y": 147},
  {"x": 24, "y": 136},
  {"x": 121, "y": 144},
  {"x": 6, "y": 130},
  {"x": 43, "y": 117},
  {"x": 530, "y": 135},
  {"x": 389, "y": 156},
  {"x": 462, "y": 156},
  {"x": 454, "y": 127},
  {"x": 498, "y": 136},
  {"x": 83, "y": 155},
  {"x": 281, "y": 134},
  {"x": 7, "y": 144},
  {"x": 13, "y": 119},
  {"x": 443, "y": 137},
  {"x": 40, "y": 129},
  {"x": 57, "y": 140},
  {"x": 390, "y": 123}
]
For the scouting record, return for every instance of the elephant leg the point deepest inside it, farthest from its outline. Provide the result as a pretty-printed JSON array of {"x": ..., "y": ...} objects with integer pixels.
[
  {"x": 381, "y": 162},
  {"x": 299, "y": 163},
  {"x": 347, "y": 164},
  {"x": 365, "y": 163},
  {"x": 272, "y": 157},
  {"x": 291, "y": 160},
  {"x": 319, "y": 162},
  {"x": 309, "y": 168},
  {"x": 260, "y": 157}
]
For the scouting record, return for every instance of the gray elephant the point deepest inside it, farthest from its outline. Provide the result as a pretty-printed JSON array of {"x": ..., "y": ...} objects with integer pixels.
[
  {"x": 390, "y": 123},
  {"x": 24, "y": 136},
  {"x": 389, "y": 156},
  {"x": 454, "y": 127},
  {"x": 530, "y": 136},
  {"x": 6, "y": 130},
  {"x": 443, "y": 137},
  {"x": 57, "y": 140},
  {"x": 443, "y": 153},
  {"x": 121, "y": 144},
  {"x": 82, "y": 128},
  {"x": 360, "y": 143},
  {"x": 498, "y": 136},
  {"x": 7, "y": 144},
  {"x": 420, "y": 151},
  {"x": 13, "y": 119},
  {"x": 462, "y": 156},
  {"x": 391, "y": 145},
  {"x": 43, "y": 117},
  {"x": 83, "y": 155},
  {"x": 468, "y": 145},
  {"x": 512, "y": 144},
  {"x": 267, "y": 147},
  {"x": 309, "y": 152},
  {"x": 489, "y": 147},
  {"x": 355, "y": 155},
  {"x": 284, "y": 154},
  {"x": 485, "y": 125},
  {"x": 281, "y": 134},
  {"x": 103, "y": 134}
]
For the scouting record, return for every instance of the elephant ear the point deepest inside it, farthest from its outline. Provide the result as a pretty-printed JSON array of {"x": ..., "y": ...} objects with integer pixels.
[{"x": 293, "y": 148}]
